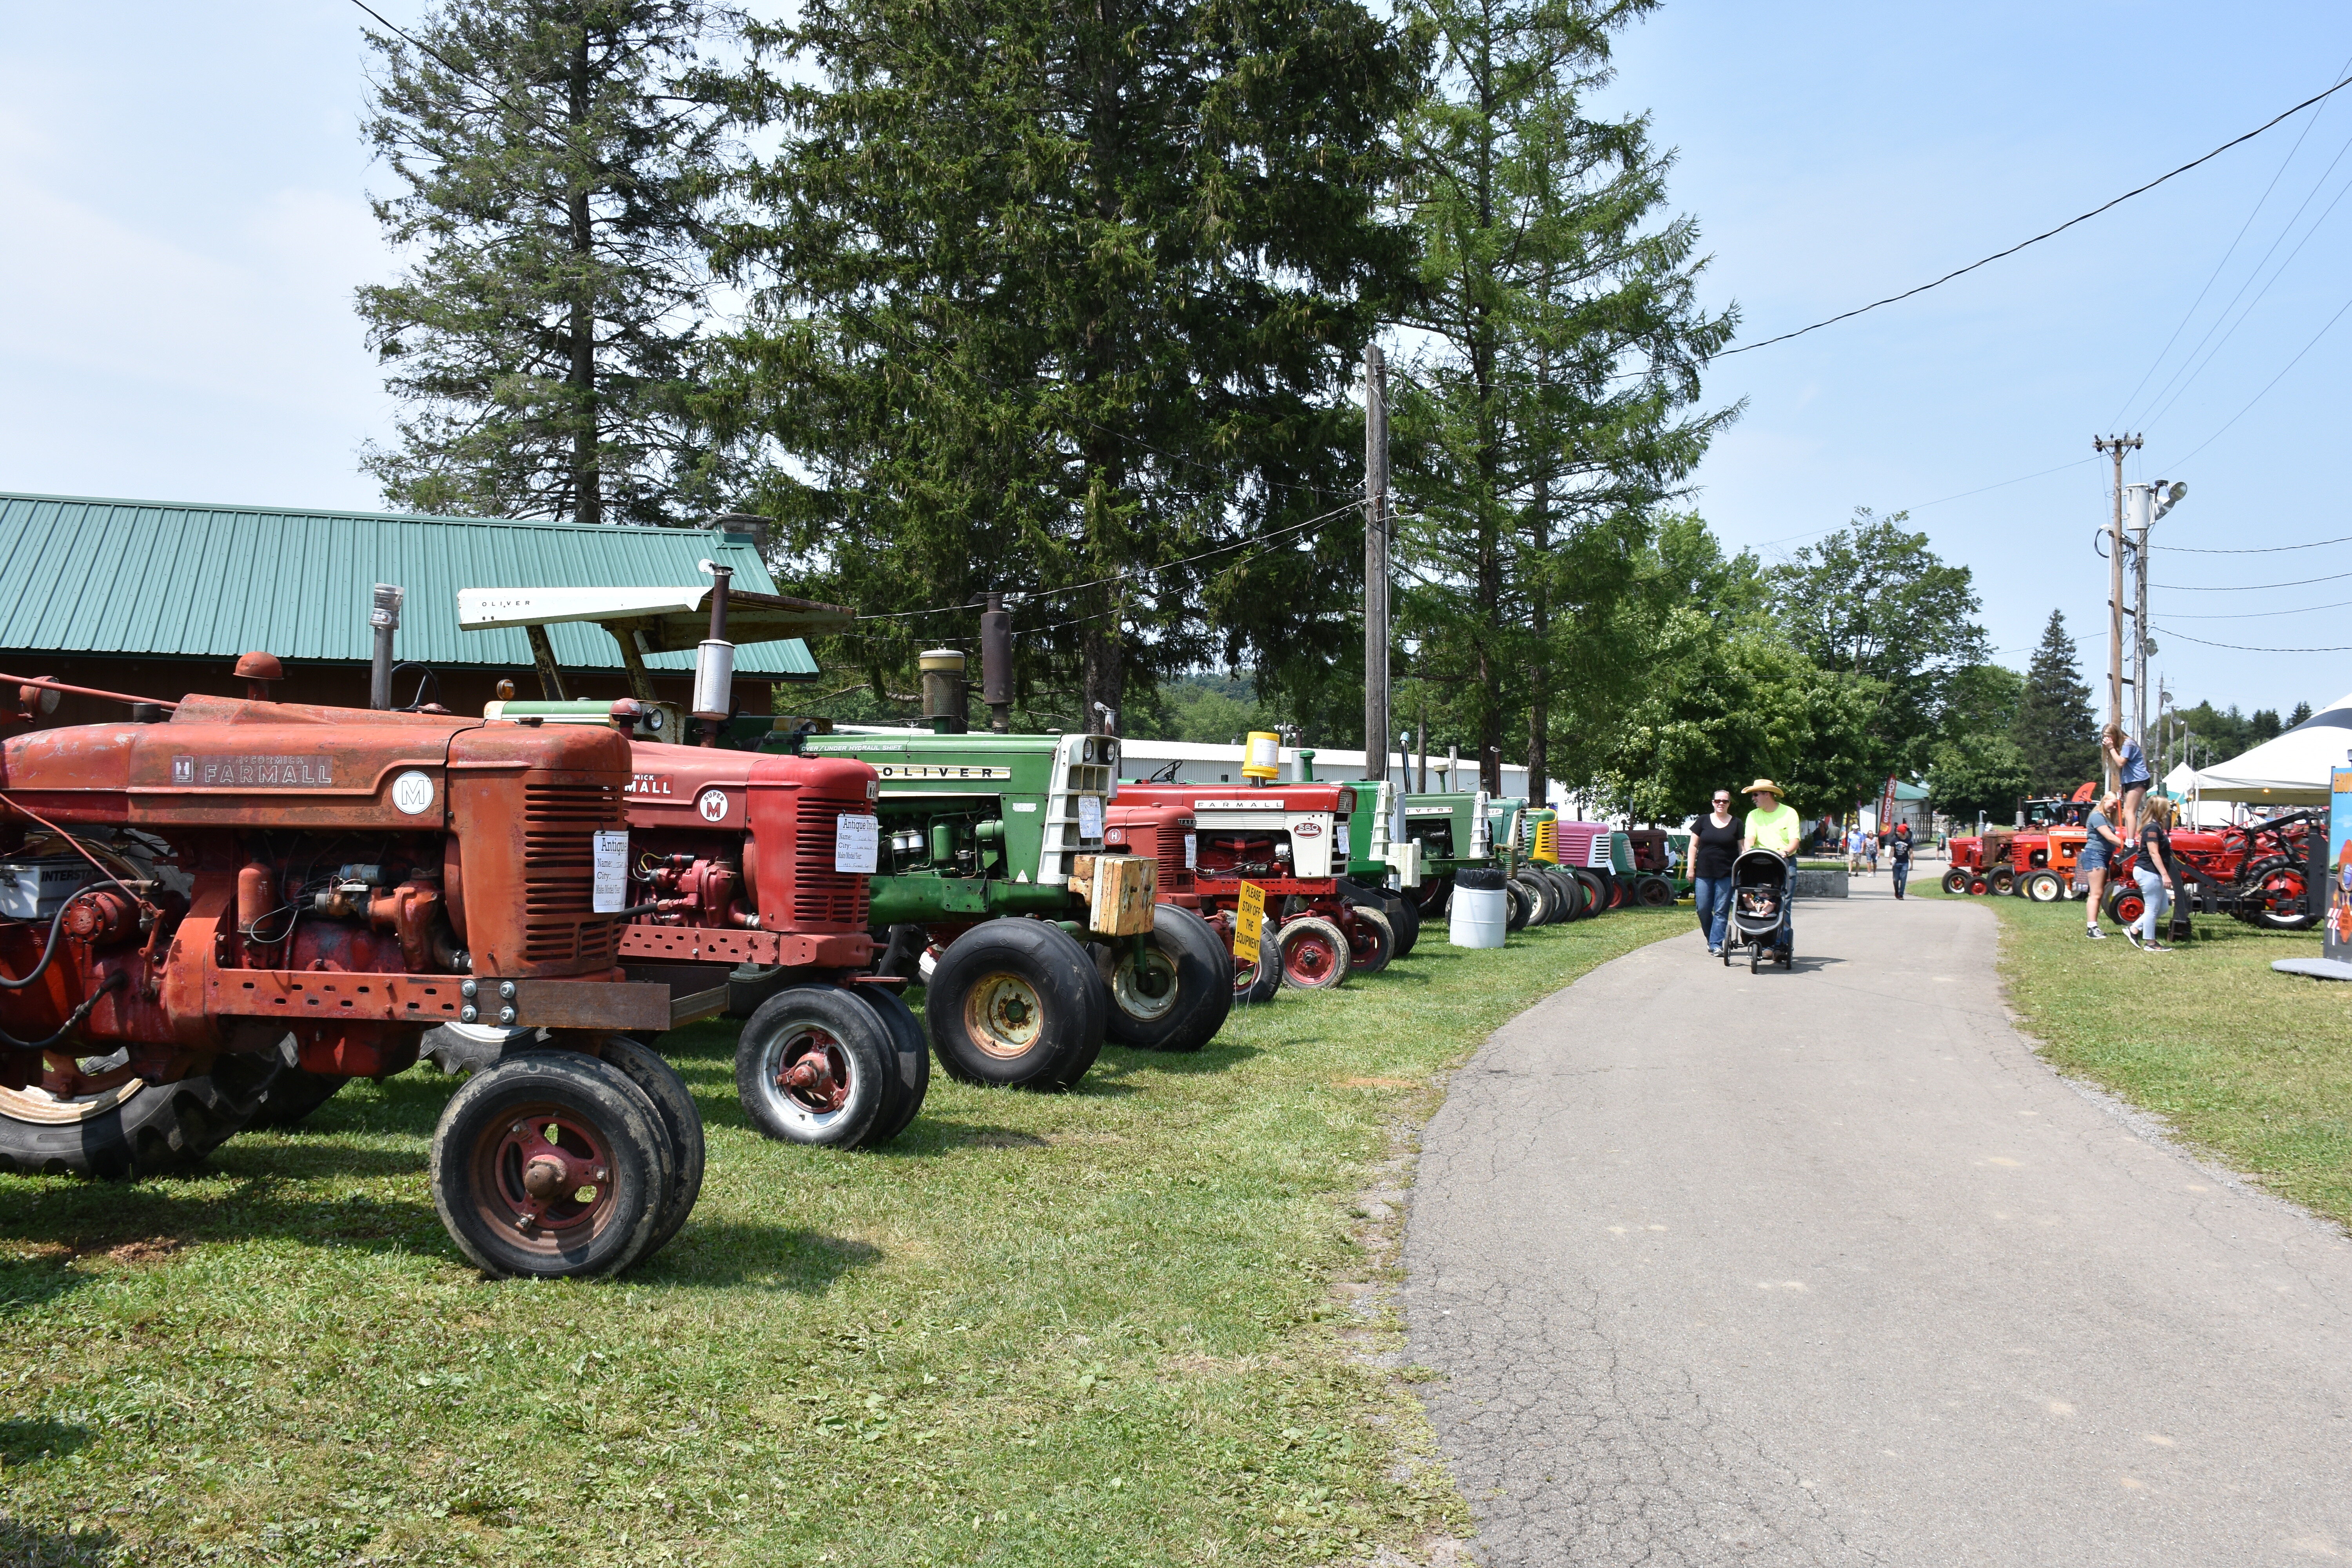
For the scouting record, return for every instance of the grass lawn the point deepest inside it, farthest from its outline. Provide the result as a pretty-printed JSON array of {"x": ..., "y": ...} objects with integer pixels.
[
  {"x": 2252, "y": 1066},
  {"x": 1107, "y": 1327}
]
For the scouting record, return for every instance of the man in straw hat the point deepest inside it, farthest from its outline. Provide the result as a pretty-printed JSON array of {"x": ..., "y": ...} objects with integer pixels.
[{"x": 1774, "y": 827}]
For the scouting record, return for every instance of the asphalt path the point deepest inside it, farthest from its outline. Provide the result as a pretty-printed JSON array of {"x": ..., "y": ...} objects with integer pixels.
[{"x": 1827, "y": 1267}]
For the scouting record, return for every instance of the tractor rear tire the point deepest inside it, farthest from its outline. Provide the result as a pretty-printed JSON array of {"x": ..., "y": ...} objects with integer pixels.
[
  {"x": 1017, "y": 1003},
  {"x": 1567, "y": 899},
  {"x": 1546, "y": 905},
  {"x": 1314, "y": 954},
  {"x": 1373, "y": 943},
  {"x": 1258, "y": 982},
  {"x": 1436, "y": 892},
  {"x": 1580, "y": 905},
  {"x": 2002, "y": 879},
  {"x": 1618, "y": 892},
  {"x": 1653, "y": 892},
  {"x": 681, "y": 1121},
  {"x": 2044, "y": 888},
  {"x": 1517, "y": 905},
  {"x": 1596, "y": 891},
  {"x": 1400, "y": 911},
  {"x": 912, "y": 1083},
  {"x": 839, "y": 1050},
  {"x": 491, "y": 1156},
  {"x": 1196, "y": 995},
  {"x": 748, "y": 985},
  {"x": 139, "y": 1129},
  {"x": 290, "y": 1095},
  {"x": 1956, "y": 882}
]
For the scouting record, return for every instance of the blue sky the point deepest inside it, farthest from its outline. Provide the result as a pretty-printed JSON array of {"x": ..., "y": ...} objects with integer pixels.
[{"x": 187, "y": 190}]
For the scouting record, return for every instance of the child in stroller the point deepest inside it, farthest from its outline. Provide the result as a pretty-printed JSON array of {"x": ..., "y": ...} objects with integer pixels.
[{"x": 1761, "y": 892}]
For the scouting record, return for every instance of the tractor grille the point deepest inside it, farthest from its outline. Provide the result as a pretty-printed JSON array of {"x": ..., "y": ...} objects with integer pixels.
[
  {"x": 823, "y": 897},
  {"x": 558, "y": 825},
  {"x": 1170, "y": 853}
]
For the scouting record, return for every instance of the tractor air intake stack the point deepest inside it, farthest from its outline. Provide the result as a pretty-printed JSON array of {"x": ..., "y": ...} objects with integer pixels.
[
  {"x": 996, "y": 663},
  {"x": 383, "y": 616},
  {"x": 714, "y": 664},
  {"x": 944, "y": 692}
]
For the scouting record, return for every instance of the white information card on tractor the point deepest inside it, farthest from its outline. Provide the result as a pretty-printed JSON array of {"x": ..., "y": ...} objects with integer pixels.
[
  {"x": 857, "y": 842},
  {"x": 1091, "y": 817},
  {"x": 610, "y": 894}
]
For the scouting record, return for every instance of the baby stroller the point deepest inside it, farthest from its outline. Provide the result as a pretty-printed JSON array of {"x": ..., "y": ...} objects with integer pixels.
[{"x": 1760, "y": 889}]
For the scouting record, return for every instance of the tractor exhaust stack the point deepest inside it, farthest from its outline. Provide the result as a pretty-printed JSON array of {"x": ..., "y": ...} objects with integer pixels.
[
  {"x": 714, "y": 664},
  {"x": 996, "y": 663}
]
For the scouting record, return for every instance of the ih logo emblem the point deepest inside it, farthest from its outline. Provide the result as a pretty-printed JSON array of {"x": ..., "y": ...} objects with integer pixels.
[
  {"x": 183, "y": 770},
  {"x": 712, "y": 805}
]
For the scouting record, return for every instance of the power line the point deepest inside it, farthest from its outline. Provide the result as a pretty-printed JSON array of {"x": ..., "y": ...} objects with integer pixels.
[
  {"x": 1258, "y": 540},
  {"x": 2243, "y": 588},
  {"x": 2200, "y": 366},
  {"x": 2189, "y": 314},
  {"x": 2046, "y": 234},
  {"x": 2260, "y": 614},
  {"x": 2241, "y": 648},
  {"x": 2257, "y": 550},
  {"x": 2265, "y": 392}
]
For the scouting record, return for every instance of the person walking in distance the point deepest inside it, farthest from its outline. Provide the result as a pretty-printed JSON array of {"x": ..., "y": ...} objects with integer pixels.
[
  {"x": 1774, "y": 827},
  {"x": 1855, "y": 841},
  {"x": 2158, "y": 878},
  {"x": 2131, "y": 776},
  {"x": 1714, "y": 844},
  {"x": 1898, "y": 858},
  {"x": 2103, "y": 848}
]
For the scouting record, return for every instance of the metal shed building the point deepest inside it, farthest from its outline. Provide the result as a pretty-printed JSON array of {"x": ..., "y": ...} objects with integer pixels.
[{"x": 160, "y": 598}]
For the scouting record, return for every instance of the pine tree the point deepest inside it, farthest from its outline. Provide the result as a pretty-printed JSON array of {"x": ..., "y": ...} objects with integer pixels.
[
  {"x": 2302, "y": 713},
  {"x": 2055, "y": 729},
  {"x": 1548, "y": 422},
  {"x": 558, "y": 157},
  {"x": 1053, "y": 298}
]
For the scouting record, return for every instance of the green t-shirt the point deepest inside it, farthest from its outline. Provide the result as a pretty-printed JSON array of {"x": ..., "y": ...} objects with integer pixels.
[{"x": 1775, "y": 829}]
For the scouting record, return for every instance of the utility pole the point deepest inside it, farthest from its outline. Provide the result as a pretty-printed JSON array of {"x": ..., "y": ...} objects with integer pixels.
[
  {"x": 1376, "y": 563},
  {"x": 2117, "y": 446}
]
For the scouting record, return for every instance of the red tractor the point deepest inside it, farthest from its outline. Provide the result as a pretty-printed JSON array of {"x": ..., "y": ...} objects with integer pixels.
[
  {"x": 738, "y": 875},
  {"x": 1291, "y": 841},
  {"x": 2001, "y": 859},
  {"x": 2255, "y": 872},
  {"x": 227, "y": 913}
]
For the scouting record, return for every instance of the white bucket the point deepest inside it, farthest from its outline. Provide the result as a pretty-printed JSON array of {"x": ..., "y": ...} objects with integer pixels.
[{"x": 1477, "y": 914}]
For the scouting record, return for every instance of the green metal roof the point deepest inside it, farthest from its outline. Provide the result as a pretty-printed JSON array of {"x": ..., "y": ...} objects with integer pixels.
[{"x": 167, "y": 579}]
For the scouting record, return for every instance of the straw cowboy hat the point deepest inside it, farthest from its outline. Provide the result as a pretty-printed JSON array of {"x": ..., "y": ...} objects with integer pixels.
[{"x": 1763, "y": 787}]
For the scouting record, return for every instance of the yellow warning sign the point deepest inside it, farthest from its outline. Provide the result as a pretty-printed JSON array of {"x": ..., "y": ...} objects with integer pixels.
[{"x": 1249, "y": 921}]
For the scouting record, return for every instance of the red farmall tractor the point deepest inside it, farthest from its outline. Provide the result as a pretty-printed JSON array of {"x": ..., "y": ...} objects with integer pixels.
[
  {"x": 2254, "y": 872},
  {"x": 748, "y": 871},
  {"x": 1290, "y": 840},
  {"x": 2001, "y": 859},
  {"x": 228, "y": 913}
]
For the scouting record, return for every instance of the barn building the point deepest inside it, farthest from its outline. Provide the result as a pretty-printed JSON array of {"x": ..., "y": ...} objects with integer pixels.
[{"x": 161, "y": 598}]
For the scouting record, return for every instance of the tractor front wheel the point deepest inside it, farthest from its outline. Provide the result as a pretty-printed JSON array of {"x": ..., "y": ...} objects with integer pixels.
[
  {"x": 2044, "y": 888},
  {"x": 812, "y": 1065},
  {"x": 1314, "y": 954},
  {"x": 1653, "y": 892},
  {"x": 1257, "y": 981},
  {"x": 1017, "y": 1003},
  {"x": 681, "y": 1121},
  {"x": 2002, "y": 879},
  {"x": 1956, "y": 880},
  {"x": 551, "y": 1164},
  {"x": 2125, "y": 905},
  {"x": 1177, "y": 998}
]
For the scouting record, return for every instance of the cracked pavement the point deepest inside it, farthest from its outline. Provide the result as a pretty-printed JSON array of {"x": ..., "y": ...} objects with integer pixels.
[{"x": 1827, "y": 1267}]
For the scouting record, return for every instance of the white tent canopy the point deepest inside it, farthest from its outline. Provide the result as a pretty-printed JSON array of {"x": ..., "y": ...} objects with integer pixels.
[{"x": 2293, "y": 769}]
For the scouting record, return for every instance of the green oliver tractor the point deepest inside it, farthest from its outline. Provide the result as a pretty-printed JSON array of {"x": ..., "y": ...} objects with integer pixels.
[{"x": 1034, "y": 939}]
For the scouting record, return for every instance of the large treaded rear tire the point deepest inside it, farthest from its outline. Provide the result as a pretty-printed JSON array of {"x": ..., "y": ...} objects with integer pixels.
[{"x": 157, "y": 1129}]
